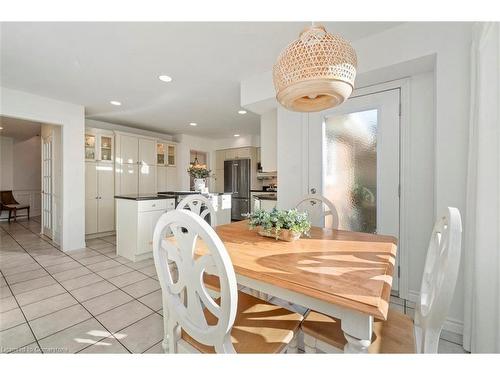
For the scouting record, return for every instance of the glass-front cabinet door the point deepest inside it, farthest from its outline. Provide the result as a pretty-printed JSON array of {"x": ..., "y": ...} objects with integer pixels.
[
  {"x": 106, "y": 148},
  {"x": 90, "y": 147},
  {"x": 160, "y": 153},
  {"x": 171, "y": 155}
]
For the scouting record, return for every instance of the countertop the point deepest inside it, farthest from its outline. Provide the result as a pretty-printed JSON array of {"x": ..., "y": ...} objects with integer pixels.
[
  {"x": 176, "y": 193},
  {"x": 145, "y": 197}
]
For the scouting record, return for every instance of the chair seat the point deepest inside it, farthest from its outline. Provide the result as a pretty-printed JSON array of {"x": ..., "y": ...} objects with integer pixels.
[
  {"x": 259, "y": 327},
  {"x": 394, "y": 335},
  {"x": 16, "y": 206},
  {"x": 211, "y": 281}
]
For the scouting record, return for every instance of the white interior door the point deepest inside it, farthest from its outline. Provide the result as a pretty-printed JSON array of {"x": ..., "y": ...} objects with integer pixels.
[
  {"x": 354, "y": 157},
  {"x": 47, "y": 187}
]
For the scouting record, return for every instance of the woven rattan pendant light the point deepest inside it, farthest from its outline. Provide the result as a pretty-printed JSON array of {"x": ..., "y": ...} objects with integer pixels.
[{"x": 315, "y": 72}]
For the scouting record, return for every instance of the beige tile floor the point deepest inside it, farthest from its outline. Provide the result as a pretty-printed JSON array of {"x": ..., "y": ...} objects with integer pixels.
[{"x": 84, "y": 301}]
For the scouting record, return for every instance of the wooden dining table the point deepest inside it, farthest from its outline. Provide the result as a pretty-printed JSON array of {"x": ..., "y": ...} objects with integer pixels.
[{"x": 343, "y": 274}]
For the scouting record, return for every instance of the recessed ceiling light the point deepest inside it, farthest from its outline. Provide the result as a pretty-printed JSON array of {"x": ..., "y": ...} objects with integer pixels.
[
  {"x": 114, "y": 102},
  {"x": 236, "y": 135},
  {"x": 1, "y": 128},
  {"x": 242, "y": 112},
  {"x": 165, "y": 78},
  {"x": 193, "y": 123}
]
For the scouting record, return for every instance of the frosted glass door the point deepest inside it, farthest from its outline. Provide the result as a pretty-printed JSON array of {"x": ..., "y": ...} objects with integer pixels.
[
  {"x": 354, "y": 162},
  {"x": 351, "y": 169}
]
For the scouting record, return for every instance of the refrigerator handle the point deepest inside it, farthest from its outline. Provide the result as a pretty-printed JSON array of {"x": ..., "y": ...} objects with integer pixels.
[{"x": 235, "y": 178}]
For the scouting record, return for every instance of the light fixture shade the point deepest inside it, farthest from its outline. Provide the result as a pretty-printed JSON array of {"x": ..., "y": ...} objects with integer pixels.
[{"x": 315, "y": 72}]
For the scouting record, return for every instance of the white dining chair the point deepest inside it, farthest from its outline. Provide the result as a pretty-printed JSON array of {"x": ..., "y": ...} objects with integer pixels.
[
  {"x": 399, "y": 334},
  {"x": 319, "y": 207},
  {"x": 201, "y": 206},
  {"x": 194, "y": 322}
]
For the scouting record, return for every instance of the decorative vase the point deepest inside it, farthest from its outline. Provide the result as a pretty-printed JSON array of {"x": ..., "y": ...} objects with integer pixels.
[
  {"x": 199, "y": 184},
  {"x": 284, "y": 234}
]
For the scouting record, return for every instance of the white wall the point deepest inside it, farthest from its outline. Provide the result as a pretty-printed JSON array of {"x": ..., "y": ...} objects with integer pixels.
[
  {"x": 6, "y": 165},
  {"x": 27, "y": 106},
  {"x": 27, "y": 164},
  {"x": 441, "y": 151}
]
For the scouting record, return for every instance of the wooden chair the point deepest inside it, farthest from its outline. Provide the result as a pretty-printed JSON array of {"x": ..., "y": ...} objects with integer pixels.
[
  {"x": 193, "y": 320},
  {"x": 9, "y": 203},
  {"x": 398, "y": 334},
  {"x": 201, "y": 206},
  {"x": 318, "y": 206}
]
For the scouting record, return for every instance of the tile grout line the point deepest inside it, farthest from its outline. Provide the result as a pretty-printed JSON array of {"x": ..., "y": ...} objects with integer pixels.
[
  {"x": 78, "y": 302},
  {"x": 91, "y": 271}
]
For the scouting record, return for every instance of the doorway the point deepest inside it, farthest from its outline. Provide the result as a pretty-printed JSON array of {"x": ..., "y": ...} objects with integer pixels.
[{"x": 354, "y": 161}]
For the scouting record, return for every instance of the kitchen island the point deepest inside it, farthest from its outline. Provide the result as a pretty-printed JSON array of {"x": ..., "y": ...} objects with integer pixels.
[
  {"x": 220, "y": 201},
  {"x": 136, "y": 217}
]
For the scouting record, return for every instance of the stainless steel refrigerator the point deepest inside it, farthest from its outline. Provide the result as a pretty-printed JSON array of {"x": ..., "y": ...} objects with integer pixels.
[{"x": 237, "y": 181}]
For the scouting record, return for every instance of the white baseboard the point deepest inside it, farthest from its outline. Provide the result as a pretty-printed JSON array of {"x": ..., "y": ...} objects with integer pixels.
[{"x": 454, "y": 326}]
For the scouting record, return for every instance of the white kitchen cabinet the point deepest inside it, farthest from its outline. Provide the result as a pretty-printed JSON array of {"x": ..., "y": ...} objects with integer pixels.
[
  {"x": 230, "y": 154},
  {"x": 243, "y": 153},
  {"x": 136, "y": 220},
  {"x": 172, "y": 179},
  {"x": 99, "y": 197},
  {"x": 99, "y": 145},
  {"x": 147, "y": 151},
  {"x": 219, "y": 180},
  {"x": 171, "y": 155},
  {"x": 129, "y": 179},
  {"x": 106, "y": 201},
  {"x": 223, "y": 209},
  {"x": 147, "y": 179},
  {"x": 129, "y": 150},
  {"x": 219, "y": 159},
  {"x": 136, "y": 159},
  {"x": 90, "y": 198},
  {"x": 161, "y": 179}
]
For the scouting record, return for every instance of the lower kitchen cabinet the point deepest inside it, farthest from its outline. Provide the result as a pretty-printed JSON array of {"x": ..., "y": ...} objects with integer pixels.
[
  {"x": 135, "y": 223},
  {"x": 99, "y": 198}
]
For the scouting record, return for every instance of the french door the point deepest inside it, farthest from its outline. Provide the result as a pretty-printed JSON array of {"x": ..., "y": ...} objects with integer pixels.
[
  {"x": 354, "y": 161},
  {"x": 47, "y": 187}
]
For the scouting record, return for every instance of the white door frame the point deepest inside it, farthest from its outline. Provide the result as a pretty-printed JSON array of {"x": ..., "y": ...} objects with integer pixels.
[{"x": 404, "y": 171}]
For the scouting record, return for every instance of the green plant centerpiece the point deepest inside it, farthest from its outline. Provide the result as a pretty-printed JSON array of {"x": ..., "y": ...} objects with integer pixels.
[
  {"x": 286, "y": 225},
  {"x": 199, "y": 171}
]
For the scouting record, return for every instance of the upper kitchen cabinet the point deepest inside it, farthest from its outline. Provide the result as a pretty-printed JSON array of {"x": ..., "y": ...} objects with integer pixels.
[
  {"x": 136, "y": 158},
  {"x": 147, "y": 151},
  {"x": 171, "y": 155},
  {"x": 165, "y": 154},
  {"x": 160, "y": 153},
  {"x": 268, "y": 141},
  {"x": 99, "y": 145},
  {"x": 90, "y": 147},
  {"x": 128, "y": 151}
]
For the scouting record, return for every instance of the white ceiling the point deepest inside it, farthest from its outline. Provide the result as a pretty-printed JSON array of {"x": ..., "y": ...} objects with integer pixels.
[
  {"x": 18, "y": 129},
  {"x": 93, "y": 63}
]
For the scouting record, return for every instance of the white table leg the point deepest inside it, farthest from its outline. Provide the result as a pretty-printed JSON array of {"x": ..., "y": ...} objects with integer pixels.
[
  {"x": 358, "y": 329},
  {"x": 164, "y": 343}
]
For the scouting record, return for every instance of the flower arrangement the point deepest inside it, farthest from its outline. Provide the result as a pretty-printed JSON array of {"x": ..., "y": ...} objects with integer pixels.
[
  {"x": 199, "y": 171},
  {"x": 287, "y": 225}
]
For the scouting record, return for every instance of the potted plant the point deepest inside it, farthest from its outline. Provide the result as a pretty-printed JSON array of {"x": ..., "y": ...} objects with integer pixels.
[
  {"x": 286, "y": 225},
  {"x": 199, "y": 173}
]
